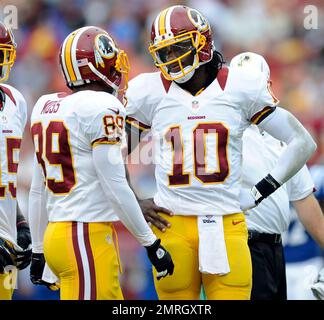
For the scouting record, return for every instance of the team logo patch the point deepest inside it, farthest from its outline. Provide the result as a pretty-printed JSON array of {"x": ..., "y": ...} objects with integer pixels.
[
  {"x": 198, "y": 20},
  {"x": 104, "y": 48}
]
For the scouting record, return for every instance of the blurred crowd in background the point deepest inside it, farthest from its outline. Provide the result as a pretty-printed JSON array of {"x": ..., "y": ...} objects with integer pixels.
[{"x": 272, "y": 28}]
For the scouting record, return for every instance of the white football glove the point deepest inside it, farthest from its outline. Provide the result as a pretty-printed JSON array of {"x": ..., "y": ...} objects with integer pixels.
[
  {"x": 318, "y": 286},
  {"x": 247, "y": 200}
]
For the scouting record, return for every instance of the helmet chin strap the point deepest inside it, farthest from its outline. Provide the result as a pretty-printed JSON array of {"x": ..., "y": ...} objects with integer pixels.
[{"x": 104, "y": 78}]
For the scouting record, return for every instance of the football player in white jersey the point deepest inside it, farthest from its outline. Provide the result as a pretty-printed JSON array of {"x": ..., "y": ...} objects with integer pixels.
[
  {"x": 79, "y": 174},
  {"x": 197, "y": 110},
  {"x": 15, "y": 239}
]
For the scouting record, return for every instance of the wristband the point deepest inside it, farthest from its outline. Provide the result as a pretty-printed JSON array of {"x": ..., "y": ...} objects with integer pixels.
[{"x": 264, "y": 188}]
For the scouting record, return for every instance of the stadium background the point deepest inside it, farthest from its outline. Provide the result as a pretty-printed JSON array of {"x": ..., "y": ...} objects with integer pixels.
[{"x": 272, "y": 28}]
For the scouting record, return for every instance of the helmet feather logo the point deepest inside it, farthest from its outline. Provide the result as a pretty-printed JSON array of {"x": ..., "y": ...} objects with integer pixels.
[{"x": 104, "y": 48}]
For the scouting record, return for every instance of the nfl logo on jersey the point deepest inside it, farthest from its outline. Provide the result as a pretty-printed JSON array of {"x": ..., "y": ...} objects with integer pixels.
[{"x": 195, "y": 105}]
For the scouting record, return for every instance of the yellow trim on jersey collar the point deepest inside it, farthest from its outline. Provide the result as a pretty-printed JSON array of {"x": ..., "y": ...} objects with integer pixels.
[
  {"x": 200, "y": 91},
  {"x": 197, "y": 93}
]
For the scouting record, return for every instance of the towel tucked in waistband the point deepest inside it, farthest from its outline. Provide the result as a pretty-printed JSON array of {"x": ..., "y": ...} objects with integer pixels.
[{"x": 212, "y": 248}]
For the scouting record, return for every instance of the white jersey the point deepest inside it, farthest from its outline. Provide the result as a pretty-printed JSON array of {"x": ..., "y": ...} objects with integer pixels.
[
  {"x": 13, "y": 116},
  {"x": 65, "y": 128},
  {"x": 260, "y": 155},
  {"x": 198, "y": 139}
]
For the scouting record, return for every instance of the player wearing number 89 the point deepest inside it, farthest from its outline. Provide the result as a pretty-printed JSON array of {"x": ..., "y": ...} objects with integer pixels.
[
  {"x": 14, "y": 230},
  {"x": 197, "y": 110},
  {"x": 77, "y": 140}
]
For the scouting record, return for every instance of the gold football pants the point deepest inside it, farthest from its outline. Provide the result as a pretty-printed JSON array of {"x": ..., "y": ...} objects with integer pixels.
[
  {"x": 84, "y": 258},
  {"x": 181, "y": 240}
]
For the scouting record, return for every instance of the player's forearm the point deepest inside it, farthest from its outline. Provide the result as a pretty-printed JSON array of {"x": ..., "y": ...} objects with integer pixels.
[
  {"x": 312, "y": 218},
  {"x": 37, "y": 220},
  {"x": 300, "y": 145},
  {"x": 129, "y": 182},
  {"x": 112, "y": 178},
  {"x": 37, "y": 213},
  {"x": 20, "y": 217}
]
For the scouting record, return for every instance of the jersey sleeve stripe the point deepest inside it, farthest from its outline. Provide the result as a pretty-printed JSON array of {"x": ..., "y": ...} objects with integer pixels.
[
  {"x": 261, "y": 115},
  {"x": 139, "y": 125},
  {"x": 105, "y": 140}
]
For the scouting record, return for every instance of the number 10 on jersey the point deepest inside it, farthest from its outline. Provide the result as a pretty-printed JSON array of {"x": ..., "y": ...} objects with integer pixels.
[{"x": 199, "y": 135}]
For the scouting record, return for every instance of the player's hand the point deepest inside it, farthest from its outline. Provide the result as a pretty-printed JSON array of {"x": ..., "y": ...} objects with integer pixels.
[
  {"x": 160, "y": 259},
  {"x": 36, "y": 271},
  {"x": 318, "y": 287},
  {"x": 7, "y": 255},
  {"x": 24, "y": 241},
  {"x": 247, "y": 200},
  {"x": 151, "y": 214}
]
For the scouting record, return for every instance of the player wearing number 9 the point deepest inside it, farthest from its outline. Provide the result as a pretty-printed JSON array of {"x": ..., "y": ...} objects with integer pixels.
[
  {"x": 79, "y": 183},
  {"x": 15, "y": 239},
  {"x": 197, "y": 109}
]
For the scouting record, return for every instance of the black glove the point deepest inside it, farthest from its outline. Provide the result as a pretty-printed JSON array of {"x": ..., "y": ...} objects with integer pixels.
[
  {"x": 36, "y": 271},
  {"x": 24, "y": 241},
  {"x": 160, "y": 259},
  {"x": 23, "y": 235},
  {"x": 7, "y": 255}
]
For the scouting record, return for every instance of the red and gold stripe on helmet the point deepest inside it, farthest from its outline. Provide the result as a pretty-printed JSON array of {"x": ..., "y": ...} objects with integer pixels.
[
  {"x": 162, "y": 23},
  {"x": 69, "y": 58}
]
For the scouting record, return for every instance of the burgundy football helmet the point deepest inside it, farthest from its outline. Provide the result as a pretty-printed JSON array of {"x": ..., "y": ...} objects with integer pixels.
[
  {"x": 90, "y": 54},
  {"x": 7, "y": 51},
  {"x": 178, "y": 32}
]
